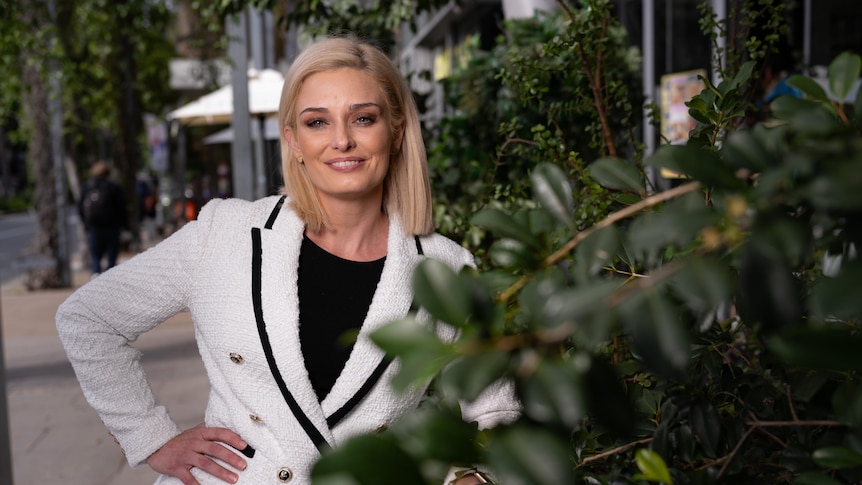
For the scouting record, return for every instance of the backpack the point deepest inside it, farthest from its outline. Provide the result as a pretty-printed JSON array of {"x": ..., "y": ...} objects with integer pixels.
[{"x": 97, "y": 209}]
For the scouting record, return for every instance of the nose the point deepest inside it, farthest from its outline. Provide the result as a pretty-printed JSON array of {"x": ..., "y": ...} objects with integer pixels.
[{"x": 342, "y": 139}]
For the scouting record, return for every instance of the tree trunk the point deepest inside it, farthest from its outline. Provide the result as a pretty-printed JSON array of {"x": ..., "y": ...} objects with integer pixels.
[
  {"x": 35, "y": 99},
  {"x": 128, "y": 105}
]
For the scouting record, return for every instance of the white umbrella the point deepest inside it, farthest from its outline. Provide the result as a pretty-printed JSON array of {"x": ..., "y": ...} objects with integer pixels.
[
  {"x": 264, "y": 92},
  {"x": 270, "y": 131}
]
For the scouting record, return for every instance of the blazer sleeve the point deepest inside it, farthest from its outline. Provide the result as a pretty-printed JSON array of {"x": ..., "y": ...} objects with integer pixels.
[
  {"x": 498, "y": 403},
  {"x": 100, "y": 320}
]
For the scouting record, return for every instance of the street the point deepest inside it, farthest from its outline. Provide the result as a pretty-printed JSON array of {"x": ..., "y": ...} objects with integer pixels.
[
  {"x": 16, "y": 234},
  {"x": 55, "y": 436}
]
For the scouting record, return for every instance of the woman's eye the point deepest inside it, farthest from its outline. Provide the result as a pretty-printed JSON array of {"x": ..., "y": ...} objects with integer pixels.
[
  {"x": 365, "y": 120},
  {"x": 316, "y": 123}
]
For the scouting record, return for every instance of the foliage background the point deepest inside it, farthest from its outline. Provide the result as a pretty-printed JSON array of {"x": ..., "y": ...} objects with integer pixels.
[{"x": 706, "y": 334}]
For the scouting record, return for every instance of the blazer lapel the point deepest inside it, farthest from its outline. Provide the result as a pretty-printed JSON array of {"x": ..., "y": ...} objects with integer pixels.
[
  {"x": 274, "y": 276},
  {"x": 391, "y": 301}
]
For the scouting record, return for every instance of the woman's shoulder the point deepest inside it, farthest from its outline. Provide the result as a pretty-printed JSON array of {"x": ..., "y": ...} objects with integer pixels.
[
  {"x": 243, "y": 212},
  {"x": 440, "y": 247}
]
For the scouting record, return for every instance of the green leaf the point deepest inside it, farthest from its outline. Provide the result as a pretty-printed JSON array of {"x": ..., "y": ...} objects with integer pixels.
[
  {"x": 786, "y": 107},
  {"x": 858, "y": 105},
  {"x": 744, "y": 150},
  {"x": 847, "y": 405},
  {"x": 553, "y": 394},
  {"x": 815, "y": 478},
  {"x": 652, "y": 466},
  {"x": 819, "y": 348},
  {"x": 554, "y": 192},
  {"x": 504, "y": 225},
  {"x": 788, "y": 236},
  {"x": 678, "y": 223},
  {"x": 699, "y": 164},
  {"x": 657, "y": 333},
  {"x": 809, "y": 87},
  {"x": 616, "y": 174},
  {"x": 807, "y": 117},
  {"x": 407, "y": 335},
  {"x": 706, "y": 424},
  {"x": 843, "y": 73},
  {"x": 422, "y": 353},
  {"x": 697, "y": 104},
  {"x": 468, "y": 376},
  {"x": 357, "y": 462},
  {"x": 770, "y": 293},
  {"x": 572, "y": 305},
  {"x": 742, "y": 76},
  {"x": 838, "y": 296},
  {"x": 839, "y": 188},
  {"x": 703, "y": 283},
  {"x": 596, "y": 251},
  {"x": 438, "y": 435},
  {"x": 442, "y": 292},
  {"x": 510, "y": 253},
  {"x": 836, "y": 457},
  {"x": 529, "y": 454}
]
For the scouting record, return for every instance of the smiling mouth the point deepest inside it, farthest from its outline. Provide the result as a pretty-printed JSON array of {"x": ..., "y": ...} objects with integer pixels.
[{"x": 345, "y": 163}]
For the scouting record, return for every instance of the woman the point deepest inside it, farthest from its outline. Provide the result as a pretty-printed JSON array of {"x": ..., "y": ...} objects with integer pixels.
[{"x": 272, "y": 285}]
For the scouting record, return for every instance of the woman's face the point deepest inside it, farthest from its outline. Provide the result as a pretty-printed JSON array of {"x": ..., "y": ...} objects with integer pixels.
[{"x": 342, "y": 133}]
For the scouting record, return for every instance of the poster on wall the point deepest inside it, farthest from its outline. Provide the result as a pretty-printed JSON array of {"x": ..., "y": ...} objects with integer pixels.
[{"x": 676, "y": 89}]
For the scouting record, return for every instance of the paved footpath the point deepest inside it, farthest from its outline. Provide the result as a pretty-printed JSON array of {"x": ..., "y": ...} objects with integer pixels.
[{"x": 55, "y": 436}]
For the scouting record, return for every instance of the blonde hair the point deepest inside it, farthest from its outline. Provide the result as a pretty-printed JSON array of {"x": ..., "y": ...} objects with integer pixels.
[{"x": 406, "y": 188}]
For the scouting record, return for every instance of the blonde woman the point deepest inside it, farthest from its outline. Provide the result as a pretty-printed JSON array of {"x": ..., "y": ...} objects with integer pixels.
[{"x": 273, "y": 284}]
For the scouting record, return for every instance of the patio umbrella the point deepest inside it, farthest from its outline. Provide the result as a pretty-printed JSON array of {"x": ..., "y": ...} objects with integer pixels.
[
  {"x": 226, "y": 135},
  {"x": 264, "y": 92}
]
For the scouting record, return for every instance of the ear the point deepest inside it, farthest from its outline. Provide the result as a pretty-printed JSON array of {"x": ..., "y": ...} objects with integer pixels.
[
  {"x": 290, "y": 139},
  {"x": 398, "y": 138}
]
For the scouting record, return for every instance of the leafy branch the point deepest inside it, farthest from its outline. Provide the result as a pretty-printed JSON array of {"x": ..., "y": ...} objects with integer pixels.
[{"x": 610, "y": 220}]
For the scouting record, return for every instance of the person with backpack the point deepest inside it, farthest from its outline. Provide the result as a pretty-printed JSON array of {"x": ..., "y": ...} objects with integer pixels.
[{"x": 102, "y": 209}]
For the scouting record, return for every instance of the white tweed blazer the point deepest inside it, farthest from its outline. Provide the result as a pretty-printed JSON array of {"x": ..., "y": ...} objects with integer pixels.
[{"x": 235, "y": 270}]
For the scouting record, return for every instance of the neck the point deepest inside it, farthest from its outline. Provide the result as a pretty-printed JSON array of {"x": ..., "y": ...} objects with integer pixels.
[{"x": 357, "y": 232}]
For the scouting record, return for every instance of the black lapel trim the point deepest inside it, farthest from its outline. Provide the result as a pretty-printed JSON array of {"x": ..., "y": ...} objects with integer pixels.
[
  {"x": 312, "y": 432},
  {"x": 337, "y": 416},
  {"x": 274, "y": 213},
  {"x": 351, "y": 403}
]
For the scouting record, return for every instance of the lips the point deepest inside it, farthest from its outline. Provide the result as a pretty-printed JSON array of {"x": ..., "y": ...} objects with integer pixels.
[{"x": 344, "y": 164}]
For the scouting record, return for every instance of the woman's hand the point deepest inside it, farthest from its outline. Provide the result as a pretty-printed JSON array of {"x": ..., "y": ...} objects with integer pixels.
[
  {"x": 470, "y": 479},
  {"x": 196, "y": 448}
]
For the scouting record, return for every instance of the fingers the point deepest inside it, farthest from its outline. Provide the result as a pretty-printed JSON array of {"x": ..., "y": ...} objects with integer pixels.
[
  {"x": 199, "y": 447},
  {"x": 228, "y": 437},
  {"x": 223, "y": 435}
]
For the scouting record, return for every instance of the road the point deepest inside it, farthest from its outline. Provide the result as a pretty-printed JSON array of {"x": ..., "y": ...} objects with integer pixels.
[
  {"x": 16, "y": 233},
  {"x": 54, "y": 435}
]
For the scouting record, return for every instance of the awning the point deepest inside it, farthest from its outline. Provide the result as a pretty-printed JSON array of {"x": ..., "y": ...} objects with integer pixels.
[
  {"x": 270, "y": 131},
  {"x": 264, "y": 93}
]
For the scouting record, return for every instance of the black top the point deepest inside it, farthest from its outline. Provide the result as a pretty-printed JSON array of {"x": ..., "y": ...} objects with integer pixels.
[{"x": 334, "y": 296}]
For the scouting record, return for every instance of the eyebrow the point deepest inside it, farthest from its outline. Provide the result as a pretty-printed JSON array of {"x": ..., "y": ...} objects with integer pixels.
[{"x": 353, "y": 107}]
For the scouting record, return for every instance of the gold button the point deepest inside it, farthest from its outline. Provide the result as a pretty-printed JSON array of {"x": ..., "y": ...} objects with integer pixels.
[
  {"x": 285, "y": 474},
  {"x": 236, "y": 358},
  {"x": 255, "y": 418}
]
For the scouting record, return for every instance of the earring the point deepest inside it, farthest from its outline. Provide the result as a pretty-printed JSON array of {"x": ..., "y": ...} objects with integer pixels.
[{"x": 299, "y": 158}]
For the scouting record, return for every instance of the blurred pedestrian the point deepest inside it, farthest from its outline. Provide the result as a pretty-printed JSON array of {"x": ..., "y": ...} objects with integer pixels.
[{"x": 103, "y": 211}]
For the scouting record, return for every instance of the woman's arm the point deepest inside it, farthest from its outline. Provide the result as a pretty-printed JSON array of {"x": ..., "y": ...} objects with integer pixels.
[{"x": 100, "y": 320}]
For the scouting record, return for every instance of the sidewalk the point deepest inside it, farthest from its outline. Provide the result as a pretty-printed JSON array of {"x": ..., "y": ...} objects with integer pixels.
[{"x": 55, "y": 436}]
